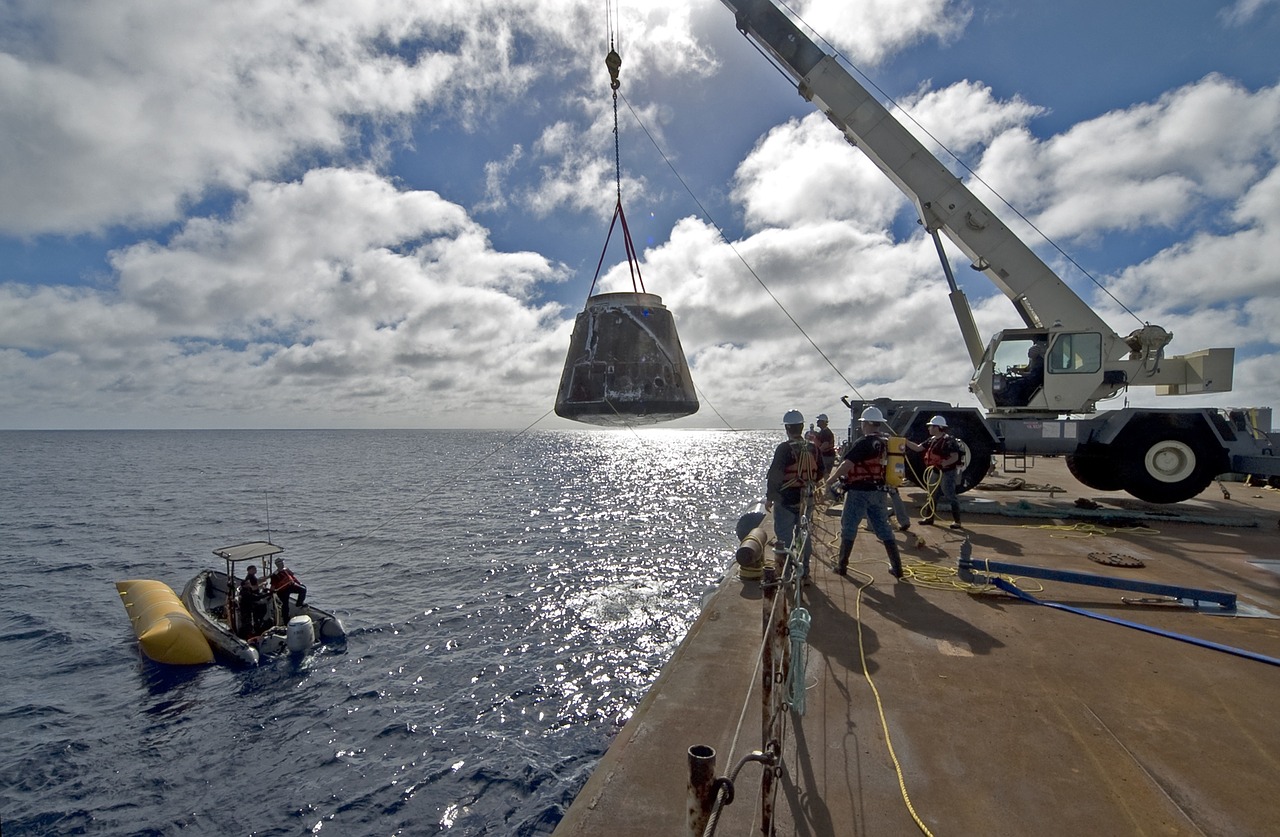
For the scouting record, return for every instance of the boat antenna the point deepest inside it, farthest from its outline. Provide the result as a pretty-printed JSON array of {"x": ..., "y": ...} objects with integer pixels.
[{"x": 267, "y": 497}]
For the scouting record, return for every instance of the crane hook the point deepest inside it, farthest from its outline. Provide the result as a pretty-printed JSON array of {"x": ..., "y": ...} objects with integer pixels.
[{"x": 614, "y": 62}]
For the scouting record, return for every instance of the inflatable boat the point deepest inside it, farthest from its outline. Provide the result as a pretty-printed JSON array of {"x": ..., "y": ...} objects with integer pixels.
[{"x": 238, "y": 631}]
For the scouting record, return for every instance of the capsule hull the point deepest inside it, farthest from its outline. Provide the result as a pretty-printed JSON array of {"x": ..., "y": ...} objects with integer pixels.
[{"x": 625, "y": 364}]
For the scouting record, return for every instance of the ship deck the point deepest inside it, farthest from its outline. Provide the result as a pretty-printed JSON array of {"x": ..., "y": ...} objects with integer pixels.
[{"x": 933, "y": 708}]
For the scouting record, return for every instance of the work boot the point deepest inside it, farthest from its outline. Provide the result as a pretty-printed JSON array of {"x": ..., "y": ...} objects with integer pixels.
[
  {"x": 926, "y": 521},
  {"x": 955, "y": 514},
  {"x": 895, "y": 560},
  {"x": 846, "y": 547}
]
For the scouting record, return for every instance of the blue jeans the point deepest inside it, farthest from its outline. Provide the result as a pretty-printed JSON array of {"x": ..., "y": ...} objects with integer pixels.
[
  {"x": 899, "y": 507},
  {"x": 785, "y": 523},
  {"x": 869, "y": 505},
  {"x": 946, "y": 490}
]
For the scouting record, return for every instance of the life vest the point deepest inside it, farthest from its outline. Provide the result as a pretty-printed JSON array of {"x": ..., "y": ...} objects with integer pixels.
[
  {"x": 826, "y": 442},
  {"x": 871, "y": 470},
  {"x": 803, "y": 467},
  {"x": 939, "y": 449},
  {"x": 282, "y": 579}
]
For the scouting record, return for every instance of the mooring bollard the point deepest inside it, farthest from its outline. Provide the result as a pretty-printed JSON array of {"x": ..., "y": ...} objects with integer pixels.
[{"x": 702, "y": 787}]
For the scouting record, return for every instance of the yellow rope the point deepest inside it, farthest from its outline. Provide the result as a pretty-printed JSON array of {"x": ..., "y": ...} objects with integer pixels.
[
  {"x": 1087, "y": 530},
  {"x": 946, "y": 577},
  {"x": 884, "y": 723},
  {"x": 932, "y": 479},
  {"x": 921, "y": 574}
]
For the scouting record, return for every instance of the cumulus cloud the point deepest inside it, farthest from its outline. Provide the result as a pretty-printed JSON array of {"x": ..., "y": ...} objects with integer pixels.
[
  {"x": 334, "y": 295},
  {"x": 125, "y": 115},
  {"x": 870, "y": 31},
  {"x": 330, "y": 293},
  {"x": 1150, "y": 165}
]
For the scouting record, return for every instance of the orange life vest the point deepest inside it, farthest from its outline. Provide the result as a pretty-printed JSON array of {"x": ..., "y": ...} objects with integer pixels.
[
  {"x": 803, "y": 467},
  {"x": 939, "y": 449},
  {"x": 869, "y": 471}
]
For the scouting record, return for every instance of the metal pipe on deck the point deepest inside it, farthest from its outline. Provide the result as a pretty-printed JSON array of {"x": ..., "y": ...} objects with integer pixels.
[
  {"x": 702, "y": 787},
  {"x": 982, "y": 572},
  {"x": 750, "y": 555}
]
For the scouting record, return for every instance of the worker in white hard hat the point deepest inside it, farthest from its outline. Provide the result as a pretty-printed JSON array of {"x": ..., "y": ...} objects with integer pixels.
[
  {"x": 789, "y": 486},
  {"x": 862, "y": 473},
  {"x": 942, "y": 455},
  {"x": 825, "y": 441}
]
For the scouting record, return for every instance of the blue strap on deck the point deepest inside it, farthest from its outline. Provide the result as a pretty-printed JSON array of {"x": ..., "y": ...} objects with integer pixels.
[{"x": 1010, "y": 588}]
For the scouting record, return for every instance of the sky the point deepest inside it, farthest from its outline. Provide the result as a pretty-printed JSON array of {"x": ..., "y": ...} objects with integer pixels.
[{"x": 337, "y": 214}]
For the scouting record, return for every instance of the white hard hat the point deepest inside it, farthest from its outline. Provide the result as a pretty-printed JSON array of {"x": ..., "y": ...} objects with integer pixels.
[
  {"x": 872, "y": 414},
  {"x": 822, "y": 416},
  {"x": 792, "y": 417},
  {"x": 938, "y": 421}
]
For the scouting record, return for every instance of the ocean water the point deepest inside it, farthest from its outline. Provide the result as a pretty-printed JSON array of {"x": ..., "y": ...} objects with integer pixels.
[{"x": 508, "y": 598}]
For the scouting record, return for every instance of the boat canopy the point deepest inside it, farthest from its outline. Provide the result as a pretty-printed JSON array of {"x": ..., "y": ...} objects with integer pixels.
[{"x": 248, "y": 551}]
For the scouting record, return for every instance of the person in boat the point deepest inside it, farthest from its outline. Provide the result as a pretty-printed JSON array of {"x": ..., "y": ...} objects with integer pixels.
[
  {"x": 283, "y": 583},
  {"x": 789, "y": 484},
  {"x": 254, "y": 596}
]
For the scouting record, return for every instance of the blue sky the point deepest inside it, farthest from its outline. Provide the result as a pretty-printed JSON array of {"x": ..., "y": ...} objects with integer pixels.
[{"x": 336, "y": 214}]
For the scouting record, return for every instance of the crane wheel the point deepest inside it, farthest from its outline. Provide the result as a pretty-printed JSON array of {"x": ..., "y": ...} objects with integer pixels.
[
  {"x": 1167, "y": 464},
  {"x": 1098, "y": 467}
]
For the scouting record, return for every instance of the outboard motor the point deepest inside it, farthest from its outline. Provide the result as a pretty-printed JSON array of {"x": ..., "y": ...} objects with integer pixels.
[{"x": 301, "y": 635}]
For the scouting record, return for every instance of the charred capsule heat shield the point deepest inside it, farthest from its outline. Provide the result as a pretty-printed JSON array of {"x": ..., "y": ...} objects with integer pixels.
[{"x": 625, "y": 364}]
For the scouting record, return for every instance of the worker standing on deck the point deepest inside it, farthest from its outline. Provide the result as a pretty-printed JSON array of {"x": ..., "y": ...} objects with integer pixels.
[
  {"x": 862, "y": 473},
  {"x": 825, "y": 442},
  {"x": 789, "y": 485},
  {"x": 941, "y": 458}
]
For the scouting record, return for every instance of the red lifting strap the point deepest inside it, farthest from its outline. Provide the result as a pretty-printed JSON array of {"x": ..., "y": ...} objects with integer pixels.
[{"x": 633, "y": 263}]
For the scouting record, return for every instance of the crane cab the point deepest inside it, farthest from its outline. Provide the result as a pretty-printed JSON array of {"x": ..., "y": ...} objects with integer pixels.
[{"x": 1044, "y": 370}]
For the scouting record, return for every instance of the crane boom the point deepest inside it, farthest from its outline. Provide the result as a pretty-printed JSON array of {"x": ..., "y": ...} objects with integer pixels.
[
  {"x": 1058, "y": 325},
  {"x": 942, "y": 200},
  {"x": 1040, "y": 383}
]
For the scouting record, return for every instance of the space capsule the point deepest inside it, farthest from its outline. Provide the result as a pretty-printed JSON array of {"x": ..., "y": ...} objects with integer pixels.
[{"x": 625, "y": 365}]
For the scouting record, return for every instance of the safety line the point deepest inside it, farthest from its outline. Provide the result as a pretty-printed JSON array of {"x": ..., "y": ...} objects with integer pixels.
[
  {"x": 866, "y": 673},
  {"x": 884, "y": 723}
]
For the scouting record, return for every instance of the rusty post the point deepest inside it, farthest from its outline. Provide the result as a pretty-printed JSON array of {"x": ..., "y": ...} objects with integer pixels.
[
  {"x": 775, "y": 660},
  {"x": 702, "y": 787}
]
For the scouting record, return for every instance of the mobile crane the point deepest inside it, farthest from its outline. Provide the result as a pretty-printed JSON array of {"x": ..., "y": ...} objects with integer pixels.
[{"x": 1039, "y": 384}]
